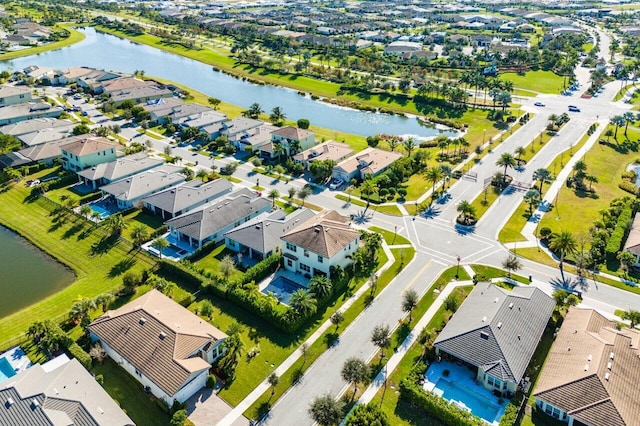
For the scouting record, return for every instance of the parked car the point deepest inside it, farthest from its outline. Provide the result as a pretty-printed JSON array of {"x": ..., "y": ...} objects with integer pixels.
[
  {"x": 336, "y": 183},
  {"x": 539, "y": 104},
  {"x": 77, "y": 97},
  {"x": 574, "y": 108}
]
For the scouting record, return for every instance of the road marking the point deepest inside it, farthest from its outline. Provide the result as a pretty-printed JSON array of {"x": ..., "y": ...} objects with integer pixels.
[{"x": 415, "y": 278}]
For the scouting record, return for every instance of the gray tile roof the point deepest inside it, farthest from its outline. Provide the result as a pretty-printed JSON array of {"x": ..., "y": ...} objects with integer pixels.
[
  {"x": 24, "y": 127},
  {"x": 136, "y": 93},
  {"x": 145, "y": 183},
  {"x": 121, "y": 168},
  {"x": 263, "y": 232},
  {"x": 202, "y": 119},
  {"x": 498, "y": 330},
  {"x": 188, "y": 195},
  {"x": 39, "y": 137},
  {"x": 240, "y": 124},
  {"x": 64, "y": 394},
  {"x": 216, "y": 216},
  {"x": 27, "y": 110}
]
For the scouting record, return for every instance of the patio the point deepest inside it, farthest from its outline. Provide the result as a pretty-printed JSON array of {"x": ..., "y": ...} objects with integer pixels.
[
  {"x": 176, "y": 251},
  {"x": 457, "y": 384},
  {"x": 17, "y": 358}
]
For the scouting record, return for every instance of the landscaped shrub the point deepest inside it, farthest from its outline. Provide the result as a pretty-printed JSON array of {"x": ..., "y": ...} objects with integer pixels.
[
  {"x": 211, "y": 381},
  {"x": 628, "y": 186},
  {"x": 620, "y": 232},
  {"x": 429, "y": 144},
  {"x": 439, "y": 408},
  {"x": 78, "y": 353},
  {"x": 511, "y": 412}
]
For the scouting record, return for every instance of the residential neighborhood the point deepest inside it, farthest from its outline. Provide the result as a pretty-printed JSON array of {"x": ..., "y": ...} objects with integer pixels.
[{"x": 298, "y": 213}]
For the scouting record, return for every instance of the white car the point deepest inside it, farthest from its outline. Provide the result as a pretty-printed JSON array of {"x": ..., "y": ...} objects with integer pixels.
[
  {"x": 539, "y": 104},
  {"x": 336, "y": 183}
]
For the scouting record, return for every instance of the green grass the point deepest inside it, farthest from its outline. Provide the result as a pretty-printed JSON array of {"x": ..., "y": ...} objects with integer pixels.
[
  {"x": 536, "y": 145},
  {"x": 512, "y": 230},
  {"x": 486, "y": 272},
  {"x": 140, "y": 406},
  {"x": 98, "y": 263},
  {"x": 288, "y": 379},
  {"x": 623, "y": 91},
  {"x": 536, "y": 81},
  {"x": 354, "y": 201},
  {"x": 391, "y": 238},
  {"x": 74, "y": 37},
  {"x": 485, "y": 199},
  {"x": 211, "y": 262},
  {"x": 391, "y": 210}
]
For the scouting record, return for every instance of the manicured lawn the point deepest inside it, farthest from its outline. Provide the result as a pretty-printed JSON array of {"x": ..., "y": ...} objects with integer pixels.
[
  {"x": 486, "y": 198},
  {"x": 140, "y": 217},
  {"x": 391, "y": 210},
  {"x": 140, "y": 406},
  {"x": 357, "y": 202},
  {"x": 575, "y": 211},
  {"x": 392, "y": 238},
  {"x": 211, "y": 262},
  {"x": 536, "y": 145},
  {"x": 416, "y": 186},
  {"x": 290, "y": 377},
  {"x": 73, "y": 38},
  {"x": 537, "y": 81},
  {"x": 486, "y": 272},
  {"x": 98, "y": 262},
  {"x": 512, "y": 230}
]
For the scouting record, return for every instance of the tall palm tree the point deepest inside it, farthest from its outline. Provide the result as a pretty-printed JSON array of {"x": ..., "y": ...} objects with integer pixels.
[
  {"x": 303, "y": 194},
  {"x": 465, "y": 208},
  {"x": 104, "y": 300},
  {"x": 511, "y": 264},
  {"x": 507, "y": 161},
  {"x": 629, "y": 117},
  {"x": 355, "y": 371},
  {"x": 410, "y": 300},
  {"x": 532, "y": 197},
  {"x": 519, "y": 152},
  {"x": 139, "y": 235},
  {"x": 543, "y": 176},
  {"x": 447, "y": 172},
  {"x": 273, "y": 194},
  {"x": 434, "y": 175},
  {"x": 367, "y": 188},
  {"x": 254, "y": 111},
  {"x": 85, "y": 211},
  {"x": 563, "y": 243},
  {"x": 381, "y": 337},
  {"x": 277, "y": 116},
  {"x": 115, "y": 224},
  {"x": 321, "y": 286},
  {"x": 579, "y": 167},
  {"x": 303, "y": 302},
  {"x": 393, "y": 143},
  {"x": 80, "y": 310},
  {"x": 160, "y": 244},
  {"x": 617, "y": 121},
  {"x": 227, "y": 267},
  {"x": 409, "y": 145}
]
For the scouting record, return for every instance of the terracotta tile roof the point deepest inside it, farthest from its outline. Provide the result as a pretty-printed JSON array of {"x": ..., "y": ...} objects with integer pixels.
[
  {"x": 88, "y": 144},
  {"x": 633, "y": 240},
  {"x": 329, "y": 150},
  {"x": 593, "y": 371},
  {"x": 323, "y": 235},
  {"x": 158, "y": 336},
  {"x": 291, "y": 132}
]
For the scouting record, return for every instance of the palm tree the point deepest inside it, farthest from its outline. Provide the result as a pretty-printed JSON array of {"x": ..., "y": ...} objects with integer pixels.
[
  {"x": 617, "y": 121},
  {"x": 85, "y": 211},
  {"x": 447, "y": 172},
  {"x": 393, "y": 143},
  {"x": 511, "y": 264},
  {"x": 321, "y": 286},
  {"x": 367, "y": 188},
  {"x": 277, "y": 117},
  {"x": 381, "y": 337},
  {"x": 553, "y": 119},
  {"x": 626, "y": 259},
  {"x": 519, "y": 152},
  {"x": 292, "y": 193},
  {"x": 410, "y": 300},
  {"x": 227, "y": 267},
  {"x": 326, "y": 410},
  {"x": 580, "y": 166},
  {"x": 160, "y": 244},
  {"x": 629, "y": 117},
  {"x": 466, "y": 210},
  {"x": 409, "y": 145},
  {"x": 591, "y": 179},
  {"x": 254, "y": 111},
  {"x": 104, "y": 300},
  {"x": 139, "y": 235},
  {"x": 80, "y": 311},
  {"x": 202, "y": 174},
  {"x": 434, "y": 175},
  {"x": 631, "y": 315},
  {"x": 336, "y": 319},
  {"x": 303, "y": 194},
  {"x": 507, "y": 161},
  {"x": 355, "y": 371},
  {"x": 115, "y": 224},
  {"x": 563, "y": 243},
  {"x": 543, "y": 176},
  {"x": 302, "y": 302},
  {"x": 532, "y": 197},
  {"x": 274, "y": 194},
  {"x": 273, "y": 381}
]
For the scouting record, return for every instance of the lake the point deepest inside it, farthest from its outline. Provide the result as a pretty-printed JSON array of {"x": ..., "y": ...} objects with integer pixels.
[
  {"x": 104, "y": 51},
  {"x": 28, "y": 275}
]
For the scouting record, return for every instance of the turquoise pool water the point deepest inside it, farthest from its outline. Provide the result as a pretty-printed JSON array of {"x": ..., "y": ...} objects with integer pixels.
[
  {"x": 282, "y": 287},
  {"x": 104, "y": 213},
  {"x": 478, "y": 404},
  {"x": 6, "y": 370}
]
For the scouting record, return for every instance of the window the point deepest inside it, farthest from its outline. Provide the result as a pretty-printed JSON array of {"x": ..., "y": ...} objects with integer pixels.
[
  {"x": 306, "y": 253},
  {"x": 320, "y": 259},
  {"x": 496, "y": 383},
  {"x": 289, "y": 262},
  {"x": 305, "y": 268},
  {"x": 291, "y": 247}
]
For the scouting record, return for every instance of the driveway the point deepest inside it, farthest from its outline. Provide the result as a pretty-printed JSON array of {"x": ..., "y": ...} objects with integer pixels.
[{"x": 206, "y": 408}]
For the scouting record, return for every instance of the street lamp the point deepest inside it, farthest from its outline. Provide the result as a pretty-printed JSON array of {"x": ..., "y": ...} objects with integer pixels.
[{"x": 457, "y": 267}]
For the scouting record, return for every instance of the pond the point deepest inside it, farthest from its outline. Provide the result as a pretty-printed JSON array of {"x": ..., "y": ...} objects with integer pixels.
[
  {"x": 108, "y": 52},
  {"x": 28, "y": 274}
]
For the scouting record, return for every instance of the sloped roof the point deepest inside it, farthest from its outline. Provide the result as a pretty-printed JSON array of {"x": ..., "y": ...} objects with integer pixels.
[
  {"x": 218, "y": 215},
  {"x": 369, "y": 160},
  {"x": 633, "y": 240},
  {"x": 324, "y": 234},
  {"x": 593, "y": 370},
  {"x": 263, "y": 232},
  {"x": 158, "y": 337},
  {"x": 9, "y": 90},
  {"x": 189, "y": 194},
  {"x": 145, "y": 183},
  {"x": 67, "y": 392},
  {"x": 135, "y": 93},
  {"x": 329, "y": 150},
  {"x": 42, "y": 136},
  {"x": 121, "y": 168},
  {"x": 28, "y": 126},
  {"x": 294, "y": 133},
  {"x": 87, "y": 144},
  {"x": 498, "y": 330}
]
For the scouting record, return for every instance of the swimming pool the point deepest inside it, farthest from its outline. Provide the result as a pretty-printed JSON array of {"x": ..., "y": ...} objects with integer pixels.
[
  {"x": 282, "y": 287},
  {"x": 6, "y": 370},
  {"x": 104, "y": 213},
  {"x": 476, "y": 403}
]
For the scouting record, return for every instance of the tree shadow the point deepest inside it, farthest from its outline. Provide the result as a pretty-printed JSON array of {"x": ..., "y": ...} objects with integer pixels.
[
  {"x": 77, "y": 227},
  {"x": 297, "y": 376},
  {"x": 121, "y": 267},
  {"x": 331, "y": 339},
  {"x": 103, "y": 246},
  {"x": 464, "y": 229}
]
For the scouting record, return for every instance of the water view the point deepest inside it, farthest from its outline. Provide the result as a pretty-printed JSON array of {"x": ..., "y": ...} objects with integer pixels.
[
  {"x": 112, "y": 53},
  {"x": 28, "y": 275}
]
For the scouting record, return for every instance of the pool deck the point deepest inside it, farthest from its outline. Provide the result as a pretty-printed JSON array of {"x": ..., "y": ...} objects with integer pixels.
[
  {"x": 296, "y": 278},
  {"x": 463, "y": 377},
  {"x": 170, "y": 253},
  {"x": 17, "y": 358}
]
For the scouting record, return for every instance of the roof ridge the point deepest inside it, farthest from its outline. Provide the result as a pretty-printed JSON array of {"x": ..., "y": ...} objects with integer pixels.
[
  {"x": 579, "y": 379},
  {"x": 593, "y": 404}
]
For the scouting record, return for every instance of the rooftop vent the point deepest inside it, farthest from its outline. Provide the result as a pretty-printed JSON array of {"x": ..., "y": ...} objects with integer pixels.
[
  {"x": 586, "y": 367},
  {"x": 10, "y": 401},
  {"x": 606, "y": 376},
  {"x": 162, "y": 335},
  {"x": 499, "y": 324},
  {"x": 484, "y": 335},
  {"x": 589, "y": 358},
  {"x": 317, "y": 229},
  {"x": 511, "y": 305},
  {"x": 142, "y": 320},
  {"x": 608, "y": 366},
  {"x": 496, "y": 300},
  {"x": 34, "y": 403},
  {"x": 484, "y": 319},
  {"x": 100, "y": 410}
]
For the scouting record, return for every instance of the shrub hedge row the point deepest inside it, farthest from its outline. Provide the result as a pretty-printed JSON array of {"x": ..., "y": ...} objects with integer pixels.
[
  {"x": 80, "y": 354},
  {"x": 628, "y": 186},
  {"x": 447, "y": 413},
  {"x": 620, "y": 232}
]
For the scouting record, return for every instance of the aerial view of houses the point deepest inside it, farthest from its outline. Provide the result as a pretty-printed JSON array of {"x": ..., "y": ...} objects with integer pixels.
[{"x": 297, "y": 213}]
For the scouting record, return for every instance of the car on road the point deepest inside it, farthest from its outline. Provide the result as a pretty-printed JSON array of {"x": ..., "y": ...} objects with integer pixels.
[
  {"x": 85, "y": 113},
  {"x": 336, "y": 183},
  {"x": 539, "y": 104},
  {"x": 77, "y": 97},
  {"x": 574, "y": 108}
]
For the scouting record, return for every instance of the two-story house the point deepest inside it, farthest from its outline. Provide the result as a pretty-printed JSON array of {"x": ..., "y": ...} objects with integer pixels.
[
  {"x": 320, "y": 243},
  {"x": 87, "y": 151},
  {"x": 291, "y": 139},
  {"x": 368, "y": 162},
  {"x": 11, "y": 95}
]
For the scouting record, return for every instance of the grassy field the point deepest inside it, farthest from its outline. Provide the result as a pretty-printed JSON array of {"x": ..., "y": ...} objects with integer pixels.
[
  {"x": 74, "y": 37},
  {"x": 390, "y": 237},
  {"x": 512, "y": 230},
  {"x": 488, "y": 272},
  {"x": 296, "y": 371},
  {"x": 390, "y": 210},
  {"x": 536, "y": 81},
  {"x": 97, "y": 262},
  {"x": 485, "y": 199}
]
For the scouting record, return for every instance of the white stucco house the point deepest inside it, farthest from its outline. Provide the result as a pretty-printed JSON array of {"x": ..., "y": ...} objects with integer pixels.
[{"x": 164, "y": 346}]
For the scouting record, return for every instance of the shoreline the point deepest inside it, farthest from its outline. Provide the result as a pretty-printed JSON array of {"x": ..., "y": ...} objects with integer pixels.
[{"x": 75, "y": 37}]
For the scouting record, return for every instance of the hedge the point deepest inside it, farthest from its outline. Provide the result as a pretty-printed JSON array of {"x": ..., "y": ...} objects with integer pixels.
[
  {"x": 511, "y": 412},
  {"x": 628, "y": 186},
  {"x": 438, "y": 407},
  {"x": 78, "y": 353},
  {"x": 620, "y": 232}
]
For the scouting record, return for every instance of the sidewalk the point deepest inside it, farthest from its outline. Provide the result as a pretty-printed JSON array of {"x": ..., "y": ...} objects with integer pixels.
[{"x": 263, "y": 387}]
